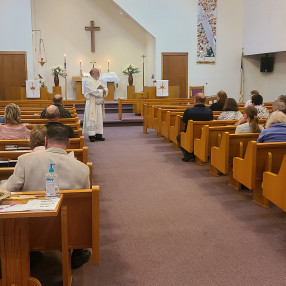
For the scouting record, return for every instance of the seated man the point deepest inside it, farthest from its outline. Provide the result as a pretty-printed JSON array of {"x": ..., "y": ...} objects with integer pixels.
[
  {"x": 30, "y": 170},
  {"x": 53, "y": 115},
  {"x": 58, "y": 101},
  {"x": 198, "y": 113}
]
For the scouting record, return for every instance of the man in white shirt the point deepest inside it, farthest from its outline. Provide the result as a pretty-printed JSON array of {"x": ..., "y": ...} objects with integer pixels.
[{"x": 94, "y": 92}]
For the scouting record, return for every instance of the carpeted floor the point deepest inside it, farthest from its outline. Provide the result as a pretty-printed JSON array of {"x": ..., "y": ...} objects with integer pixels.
[{"x": 167, "y": 222}]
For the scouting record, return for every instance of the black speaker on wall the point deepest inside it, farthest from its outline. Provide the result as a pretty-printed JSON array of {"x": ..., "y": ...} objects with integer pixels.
[{"x": 266, "y": 64}]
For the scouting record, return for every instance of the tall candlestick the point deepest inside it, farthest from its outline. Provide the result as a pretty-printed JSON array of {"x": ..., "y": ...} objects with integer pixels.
[
  {"x": 65, "y": 61},
  {"x": 108, "y": 65}
]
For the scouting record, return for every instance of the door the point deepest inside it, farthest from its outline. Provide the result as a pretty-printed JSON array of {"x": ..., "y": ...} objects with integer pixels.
[
  {"x": 175, "y": 69},
  {"x": 13, "y": 71}
]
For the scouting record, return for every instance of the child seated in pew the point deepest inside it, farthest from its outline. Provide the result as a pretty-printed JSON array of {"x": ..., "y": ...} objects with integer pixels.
[
  {"x": 13, "y": 129},
  {"x": 231, "y": 111},
  {"x": 249, "y": 122},
  {"x": 275, "y": 128},
  {"x": 37, "y": 138}
]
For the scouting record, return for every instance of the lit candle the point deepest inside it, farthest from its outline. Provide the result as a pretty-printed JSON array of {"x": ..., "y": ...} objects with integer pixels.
[
  {"x": 65, "y": 61},
  {"x": 80, "y": 64}
]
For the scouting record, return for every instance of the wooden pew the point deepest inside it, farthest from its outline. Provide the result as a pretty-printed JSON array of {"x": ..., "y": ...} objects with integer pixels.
[
  {"x": 209, "y": 137},
  {"x": 231, "y": 145},
  {"x": 274, "y": 186},
  {"x": 80, "y": 154},
  {"x": 75, "y": 143},
  {"x": 177, "y": 128},
  {"x": 202, "y": 146},
  {"x": 75, "y": 126},
  {"x": 259, "y": 157},
  {"x": 167, "y": 120},
  {"x": 67, "y": 121},
  {"x": 76, "y": 226},
  {"x": 194, "y": 131}
]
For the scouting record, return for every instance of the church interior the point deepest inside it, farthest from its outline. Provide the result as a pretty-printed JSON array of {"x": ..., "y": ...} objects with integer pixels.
[{"x": 158, "y": 220}]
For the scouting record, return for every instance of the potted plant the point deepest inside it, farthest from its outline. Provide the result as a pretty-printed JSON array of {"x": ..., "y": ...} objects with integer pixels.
[
  {"x": 56, "y": 71},
  {"x": 130, "y": 70}
]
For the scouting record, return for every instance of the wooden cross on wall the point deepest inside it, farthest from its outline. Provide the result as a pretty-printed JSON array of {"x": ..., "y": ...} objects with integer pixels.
[{"x": 92, "y": 29}]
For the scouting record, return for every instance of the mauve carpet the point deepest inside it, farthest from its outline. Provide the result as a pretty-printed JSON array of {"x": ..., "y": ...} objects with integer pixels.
[{"x": 167, "y": 222}]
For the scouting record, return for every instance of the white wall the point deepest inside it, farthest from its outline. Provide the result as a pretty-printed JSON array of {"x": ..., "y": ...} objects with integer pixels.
[
  {"x": 173, "y": 24},
  {"x": 263, "y": 26},
  {"x": 263, "y": 33},
  {"x": 16, "y": 29},
  {"x": 120, "y": 40},
  {"x": 270, "y": 85}
]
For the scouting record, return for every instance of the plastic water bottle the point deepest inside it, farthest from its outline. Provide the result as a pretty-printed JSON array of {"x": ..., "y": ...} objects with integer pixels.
[{"x": 51, "y": 180}]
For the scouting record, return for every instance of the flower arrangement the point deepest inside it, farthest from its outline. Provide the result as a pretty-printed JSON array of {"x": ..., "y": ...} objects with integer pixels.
[
  {"x": 129, "y": 70},
  {"x": 57, "y": 70}
]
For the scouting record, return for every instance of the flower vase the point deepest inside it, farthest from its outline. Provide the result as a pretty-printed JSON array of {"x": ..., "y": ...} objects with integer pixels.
[
  {"x": 56, "y": 80},
  {"x": 130, "y": 79}
]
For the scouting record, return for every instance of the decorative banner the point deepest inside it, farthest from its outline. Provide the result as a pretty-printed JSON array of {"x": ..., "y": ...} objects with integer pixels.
[
  {"x": 206, "y": 31},
  {"x": 33, "y": 89},
  {"x": 162, "y": 88}
]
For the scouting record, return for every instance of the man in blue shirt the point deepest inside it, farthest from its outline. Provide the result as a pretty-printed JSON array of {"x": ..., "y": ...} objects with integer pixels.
[{"x": 198, "y": 113}]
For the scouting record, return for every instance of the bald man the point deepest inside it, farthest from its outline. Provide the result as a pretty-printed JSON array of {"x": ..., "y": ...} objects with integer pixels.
[
  {"x": 198, "y": 113},
  {"x": 53, "y": 115},
  {"x": 94, "y": 92},
  {"x": 58, "y": 101}
]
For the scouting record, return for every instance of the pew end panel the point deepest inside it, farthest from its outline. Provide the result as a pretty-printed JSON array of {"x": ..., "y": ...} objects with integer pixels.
[{"x": 274, "y": 186}]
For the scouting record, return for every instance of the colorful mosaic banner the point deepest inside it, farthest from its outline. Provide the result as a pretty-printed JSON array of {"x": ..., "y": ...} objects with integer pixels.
[{"x": 206, "y": 31}]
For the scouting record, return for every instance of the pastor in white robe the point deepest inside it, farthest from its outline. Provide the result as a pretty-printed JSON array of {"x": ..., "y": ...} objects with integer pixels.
[{"x": 94, "y": 107}]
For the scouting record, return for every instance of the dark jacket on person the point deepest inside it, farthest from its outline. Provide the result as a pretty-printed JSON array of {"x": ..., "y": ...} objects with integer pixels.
[
  {"x": 64, "y": 113},
  {"x": 217, "y": 106},
  {"x": 198, "y": 113},
  {"x": 71, "y": 132}
]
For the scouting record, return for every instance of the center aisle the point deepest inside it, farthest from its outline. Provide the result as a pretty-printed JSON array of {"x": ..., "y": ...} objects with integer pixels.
[{"x": 167, "y": 222}]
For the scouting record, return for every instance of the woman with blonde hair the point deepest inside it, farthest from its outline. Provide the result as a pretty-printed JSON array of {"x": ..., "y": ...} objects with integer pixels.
[
  {"x": 13, "y": 129},
  {"x": 251, "y": 119},
  {"x": 221, "y": 97},
  {"x": 275, "y": 128},
  {"x": 37, "y": 138},
  {"x": 231, "y": 111}
]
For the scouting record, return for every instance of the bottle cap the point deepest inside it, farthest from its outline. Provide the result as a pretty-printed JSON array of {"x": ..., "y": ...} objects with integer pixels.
[{"x": 51, "y": 170}]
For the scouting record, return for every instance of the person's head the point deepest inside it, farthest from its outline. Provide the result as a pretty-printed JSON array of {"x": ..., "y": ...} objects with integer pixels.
[
  {"x": 230, "y": 105},
  {"x": 37, "y": 136},
  {"x": 200, "y": 98},
  {"x": 257, "y": 99},
  {"x": 278, "y": 105},
  {"x": 282, "y": 97},
  {"x": 250, "y": 114},
  {"x": 253, "y": 92},
  {"x": 57, "y": 99},
  {"x": 57, "y": 136},
  {"x": 221, "y": 96},
  {"x": 94, "y": 72},
  {"x": 275, "y": 117},
  {"x": 12, "y": 114},
  {"x": 53, "y": 113}
]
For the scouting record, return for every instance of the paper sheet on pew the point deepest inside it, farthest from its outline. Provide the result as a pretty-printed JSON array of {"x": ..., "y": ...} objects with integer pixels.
[{"x": 49, "y": 204}]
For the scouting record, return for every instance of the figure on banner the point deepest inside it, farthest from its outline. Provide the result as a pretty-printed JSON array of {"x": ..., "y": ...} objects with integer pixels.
[{"x": 94, "y": 92}]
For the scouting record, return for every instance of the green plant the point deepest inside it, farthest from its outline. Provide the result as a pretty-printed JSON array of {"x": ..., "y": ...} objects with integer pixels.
[
  {"x": 130, "y": 70},
  {"x": 57, "y": 70}
]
